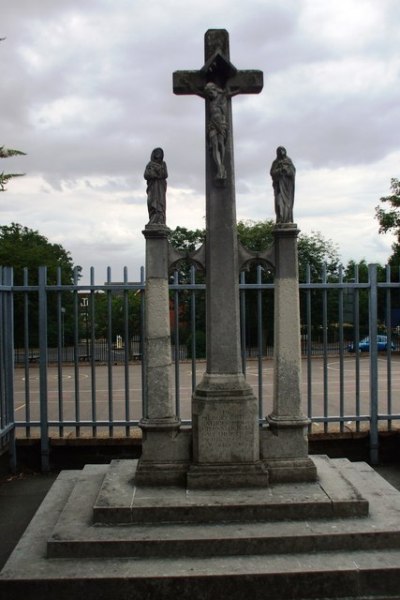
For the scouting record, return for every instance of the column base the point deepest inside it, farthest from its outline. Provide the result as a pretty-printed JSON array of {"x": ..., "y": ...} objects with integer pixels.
[
  {"x": 284, "y": 449},
  {"x": 295, "y": 470},
  {"x": 155, "y": 474},
  {"x": 166, "y": 452},
  {"x": 147, "y": 424}
]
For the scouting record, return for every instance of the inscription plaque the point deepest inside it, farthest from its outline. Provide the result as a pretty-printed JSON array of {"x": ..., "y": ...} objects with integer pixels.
[{"x": 224, "y": 434}]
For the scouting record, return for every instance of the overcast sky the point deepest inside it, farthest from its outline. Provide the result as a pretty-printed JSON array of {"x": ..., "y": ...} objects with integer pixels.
[{"x": 87, "y": 94}]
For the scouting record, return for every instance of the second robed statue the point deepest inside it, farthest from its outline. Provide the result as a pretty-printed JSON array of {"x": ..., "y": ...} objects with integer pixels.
[
  {"x": 283, "y": 174},
  {"x": 156, "y": 176}
]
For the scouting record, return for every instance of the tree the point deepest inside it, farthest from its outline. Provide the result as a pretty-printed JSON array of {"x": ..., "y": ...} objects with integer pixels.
[
  {"x": 5, "y": 177},
  {"x": 317, "y": 257},
  {"x": 21, "y": 247},
  {"x": 319, "y": 253},
  {"x": 389, "y": 219},
  {"x": 255, "y": 235},
  {"x": 112, "y": 308},
  {"x": 356, "y": 301},
  {"x": 5, "y": 153},
  {"x": 186, "y": 240},
  {"x": 313, "y": 250},
  {"x": 25, "y": 250}
]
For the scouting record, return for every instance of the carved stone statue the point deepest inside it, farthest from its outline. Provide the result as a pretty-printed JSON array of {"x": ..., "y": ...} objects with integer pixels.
[
  {"x": 156, "y": 176},
  {"x": 217, "y": 125},
  {"x": 217, "y": 129},
  {"x": 283, "y": 174}
]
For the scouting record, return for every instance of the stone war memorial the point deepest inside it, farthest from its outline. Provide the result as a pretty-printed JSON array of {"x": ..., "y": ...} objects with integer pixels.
[{"x": 233, "y": 506}]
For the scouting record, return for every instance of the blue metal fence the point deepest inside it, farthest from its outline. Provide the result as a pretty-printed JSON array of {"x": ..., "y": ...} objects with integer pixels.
[{"x": 70, "y": 355}]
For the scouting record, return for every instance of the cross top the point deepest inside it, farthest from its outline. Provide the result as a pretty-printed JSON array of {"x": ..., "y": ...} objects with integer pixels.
[
  {"x": 217, "y": 81},
  {"x": 217, "y": 69}
]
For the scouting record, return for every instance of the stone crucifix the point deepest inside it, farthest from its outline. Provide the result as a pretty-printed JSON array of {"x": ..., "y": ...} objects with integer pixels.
[
  {"x": 217, "y": 81},
  {"x": 224, "y": 408}
]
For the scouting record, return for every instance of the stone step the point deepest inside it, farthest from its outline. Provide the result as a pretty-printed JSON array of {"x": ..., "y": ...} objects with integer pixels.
[
  {"x": 366, "y": 566},
  {"x": 75, "y": 534},
  {"x": 332, "y": 496},
  {"x": 174, "y": 542}
]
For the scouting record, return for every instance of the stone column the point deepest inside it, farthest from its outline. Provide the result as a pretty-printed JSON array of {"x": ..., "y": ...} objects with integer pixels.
[
  {"x": 163, "y": 457},
  {"x": 226, "y": 444},
  {"x": 284, "y": 443}
]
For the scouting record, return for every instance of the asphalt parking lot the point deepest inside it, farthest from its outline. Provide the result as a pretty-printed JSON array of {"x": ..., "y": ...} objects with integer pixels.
[
  {"x": 329, "y": 387},
  {"x": 22, "y": 493}
]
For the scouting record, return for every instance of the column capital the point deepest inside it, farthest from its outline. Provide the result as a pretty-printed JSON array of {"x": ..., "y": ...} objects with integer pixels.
[
  {"x": 286, "y": 230},
  {"x": 156, "y": 231}
]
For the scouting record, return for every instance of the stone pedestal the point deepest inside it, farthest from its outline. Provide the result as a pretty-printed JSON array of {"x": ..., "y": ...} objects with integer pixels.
[
  {"x": 224, "y": 409},
  {"x": 284, "y": 444},
  {"x": 226, "y": 450},
  {"x": 98, "y": 536},
  {"x": 164, "y": 453}
]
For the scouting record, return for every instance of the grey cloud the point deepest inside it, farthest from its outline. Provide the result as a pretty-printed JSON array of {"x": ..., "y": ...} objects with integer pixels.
[{"x": 112, "y": 78}]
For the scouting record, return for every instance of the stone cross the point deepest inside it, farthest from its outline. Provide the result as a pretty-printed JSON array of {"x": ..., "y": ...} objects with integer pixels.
[
  {"x": 224, "y": 408},
  {"x": 217, "y": 81}
]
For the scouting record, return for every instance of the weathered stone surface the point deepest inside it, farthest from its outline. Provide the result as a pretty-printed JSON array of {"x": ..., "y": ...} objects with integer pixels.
[
  {"x": 157, "y": 299},
  {"x": 156, "y": 250},
  {"x": 333, "y": 496},
  {"x": 170, "y": 444},
  {"x": 224, "y": 408},
  {"x": 295, "y": 558},
  {"x": 283, "y": 174},
  {"x": 226, "y": 430},
  {"x": 281, "y": 440},
  {"x": 284, "y": 444},
  {"x": 160, "y": 425},
  {"x": 287, "y": 352}
]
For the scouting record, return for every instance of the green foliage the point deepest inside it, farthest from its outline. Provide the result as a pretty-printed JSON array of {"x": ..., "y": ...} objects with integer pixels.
[
  {"x": 313, "y": 249},
  {"x": 117, "y": 306},
  {"x": 5, "y": 177},
  {"x": 185, "y": 239},
  {"x": 21, "y": 247},
  {"x": 317, "y": 252},
  {"x": 389, "y": 219},
  {"x": 255, "y": 235},
  {"x": 26, "y": 250},
  {"x": 200, "y": 345},
  {"x": 5, "y": 153}
]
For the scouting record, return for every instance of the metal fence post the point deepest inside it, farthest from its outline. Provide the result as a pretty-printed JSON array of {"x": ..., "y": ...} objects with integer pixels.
[
  {"x": 373, "y": 364},
  {"x": 103, "y": 352},
  {"x": 8, "y": 363},
  {"x": 44, "y": 426}
]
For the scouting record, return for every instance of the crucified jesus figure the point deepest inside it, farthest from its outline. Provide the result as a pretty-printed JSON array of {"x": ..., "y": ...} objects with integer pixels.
[
  {"x": 217, "y": 125},
  {"x": 217, "y": 129}
]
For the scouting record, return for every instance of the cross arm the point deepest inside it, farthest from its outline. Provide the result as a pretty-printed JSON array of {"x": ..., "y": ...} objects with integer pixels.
[
  {"x": 246, "y": 82},
  {"x": 193, "y": 82},
  {"x": 188, "y": 82}
]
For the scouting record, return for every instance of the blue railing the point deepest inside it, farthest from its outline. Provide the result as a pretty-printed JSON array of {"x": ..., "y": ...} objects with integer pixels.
[{"x": 71, "y": 355}]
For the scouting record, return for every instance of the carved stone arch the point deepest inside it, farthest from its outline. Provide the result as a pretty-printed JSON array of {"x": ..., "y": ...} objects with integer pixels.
[
  {"x": 246, "y": 258},
  {"x": 196, "y": 258}
]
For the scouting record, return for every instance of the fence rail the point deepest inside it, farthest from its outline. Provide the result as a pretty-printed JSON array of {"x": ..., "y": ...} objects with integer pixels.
[{"x": 71, "y": 354}]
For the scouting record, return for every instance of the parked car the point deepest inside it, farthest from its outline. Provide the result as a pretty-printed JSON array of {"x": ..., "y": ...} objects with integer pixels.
[{"x": 363, "y": 345}]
